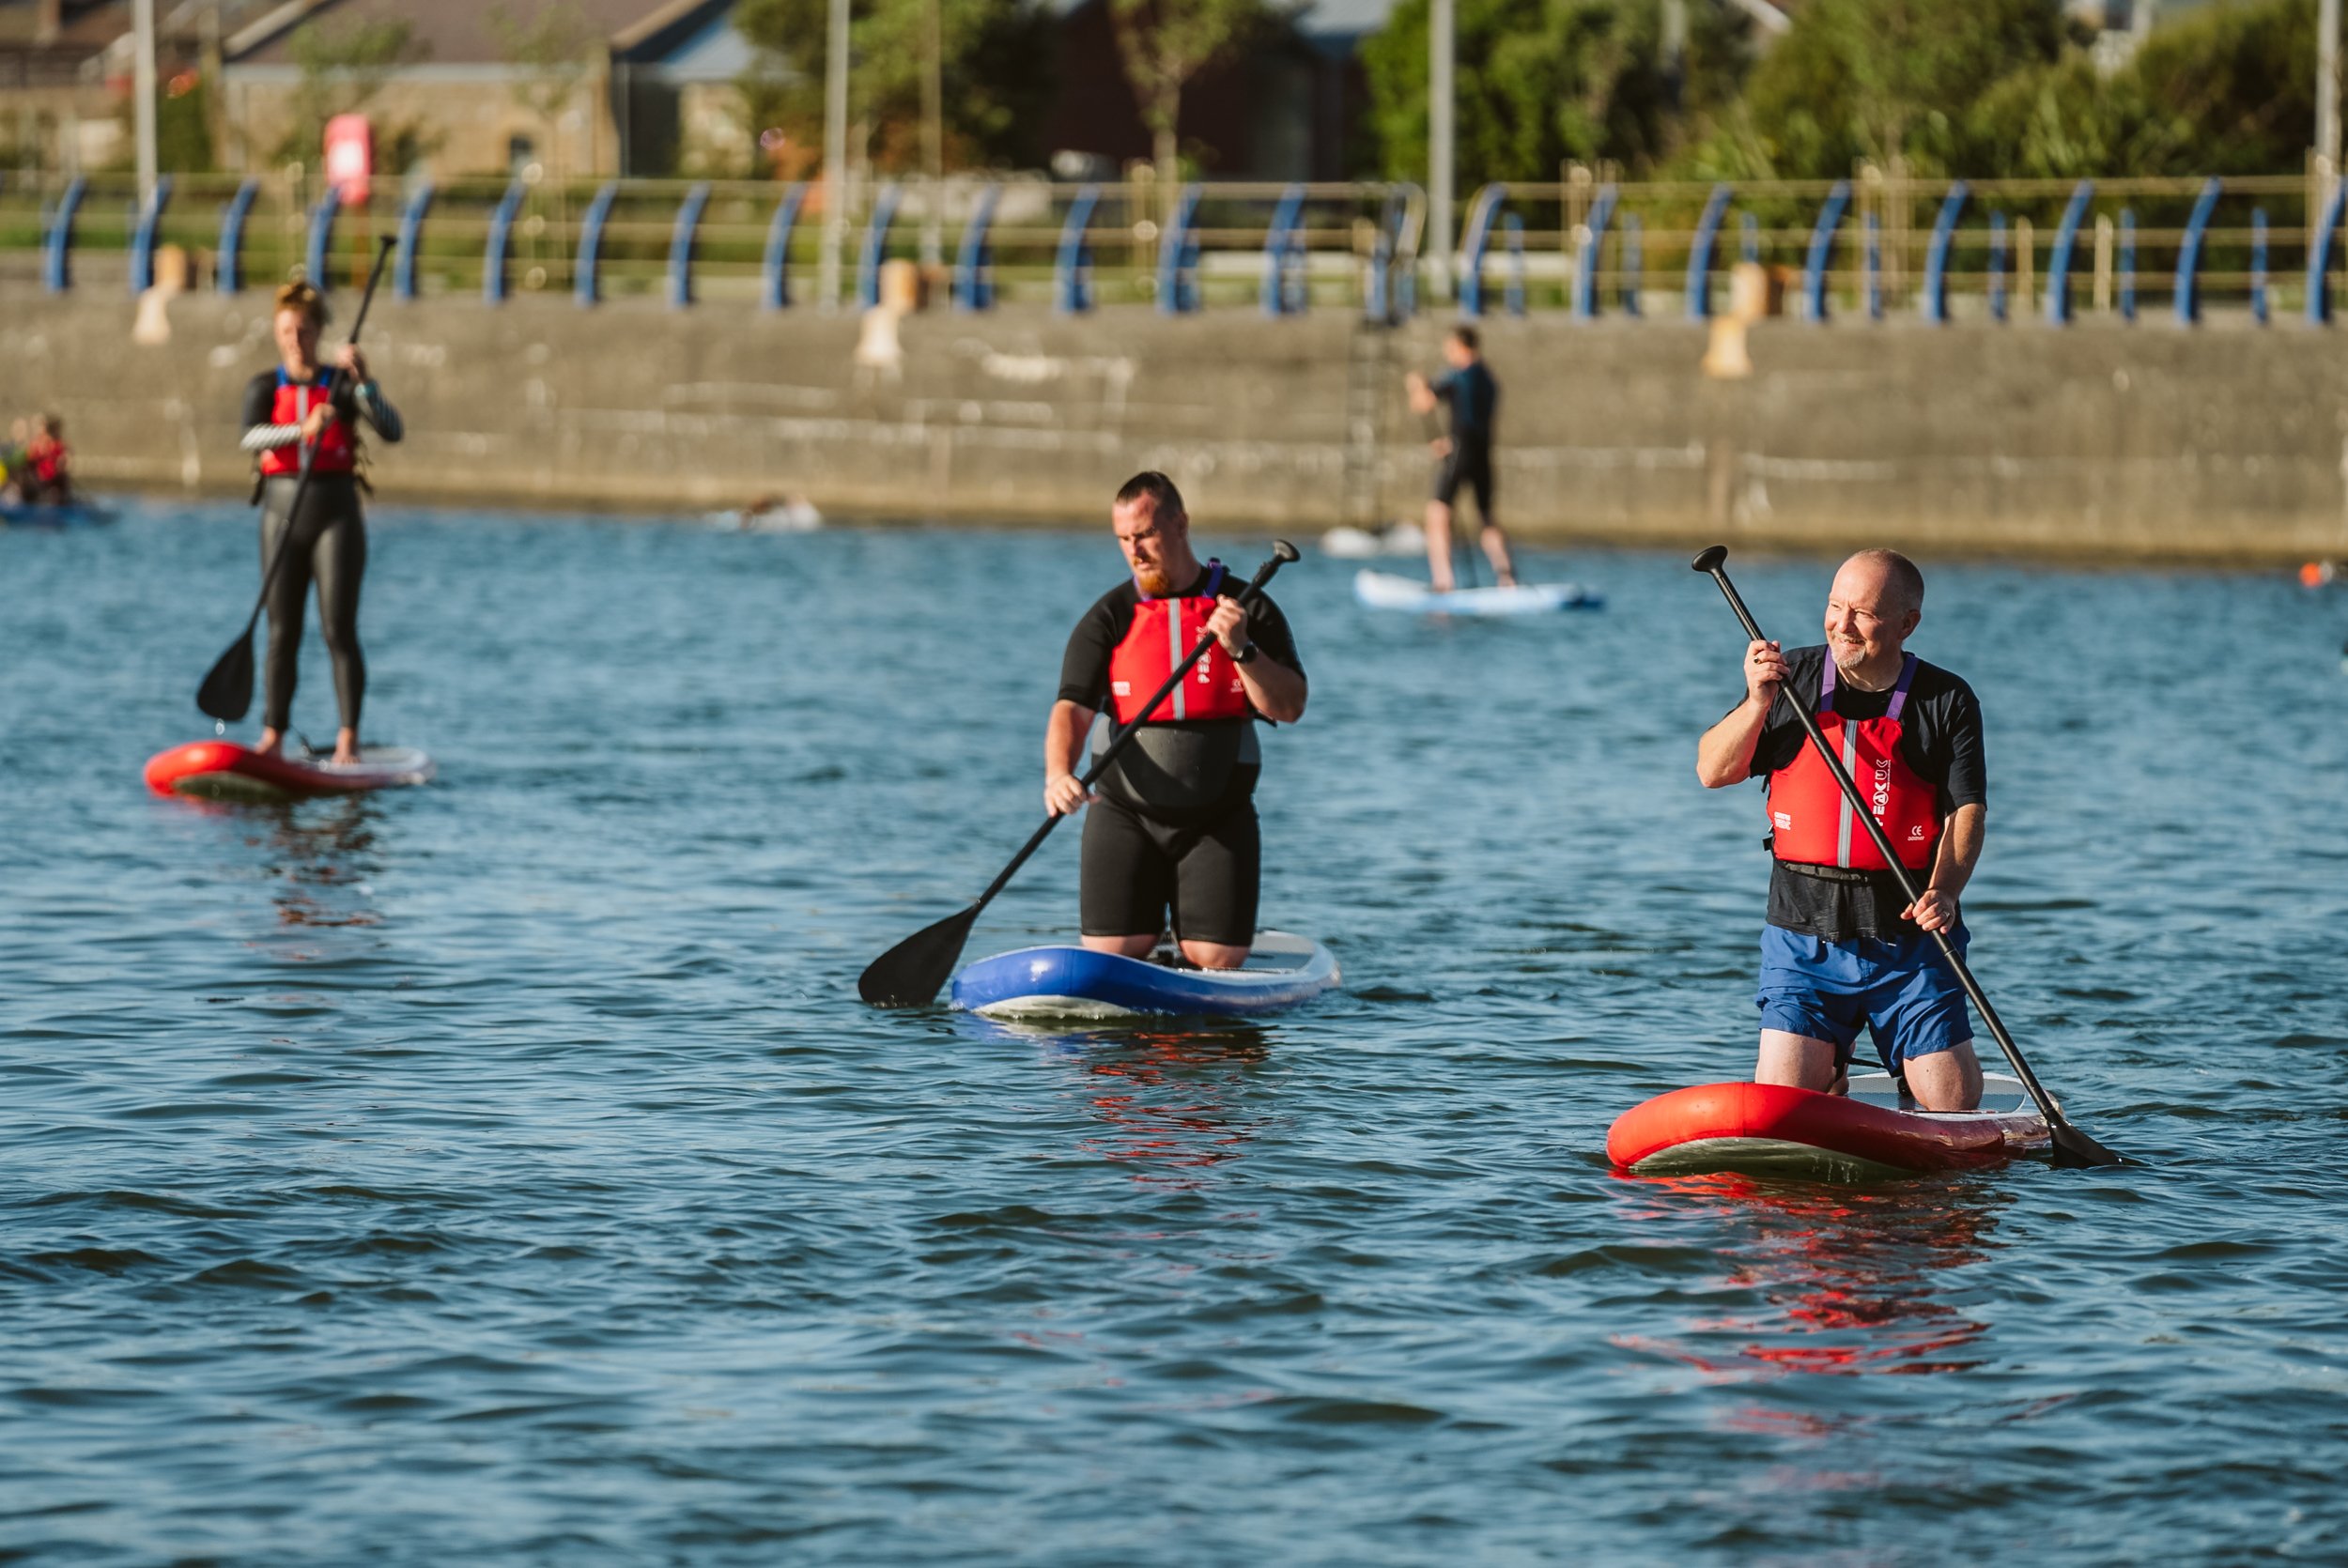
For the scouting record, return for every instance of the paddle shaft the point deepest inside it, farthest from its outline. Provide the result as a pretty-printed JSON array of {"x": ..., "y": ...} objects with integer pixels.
[
  {"x": 1891, "y": 858},
  {"x": 1126, "y": 733},
  {"x": 309, "y": 447}
]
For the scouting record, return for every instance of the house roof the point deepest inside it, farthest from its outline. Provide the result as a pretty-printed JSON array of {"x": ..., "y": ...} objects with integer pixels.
[{"x": 461, "y": 32}]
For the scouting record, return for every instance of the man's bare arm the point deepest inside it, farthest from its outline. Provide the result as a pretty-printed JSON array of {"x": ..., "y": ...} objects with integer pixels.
[
  {"x": 1725, "y": 755},
  {"x": 1952, "y": 868},
  {"x": 1063, "y": 748}
]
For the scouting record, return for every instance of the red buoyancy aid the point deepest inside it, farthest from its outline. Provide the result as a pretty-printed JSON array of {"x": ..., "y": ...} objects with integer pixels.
[
  {"x": 1161, "y": 636},
  {"x": 1811, "y": 819},
  {"x": 337, "y": 453},
  {"x": 46, "y": 459}
]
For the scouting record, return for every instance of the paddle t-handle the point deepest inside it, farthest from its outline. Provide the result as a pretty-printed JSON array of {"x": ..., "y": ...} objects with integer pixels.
[
  {"x": 226, "y": 692},
  {"x": 909, "y": 974},
  {"x": 2068, "y": 1140}
]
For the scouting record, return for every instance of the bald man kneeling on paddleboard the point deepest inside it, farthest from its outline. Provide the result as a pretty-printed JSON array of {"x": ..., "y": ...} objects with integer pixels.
[
  {"x": 1173, "y": 825},
  {"x": 1843, "y": 947}
]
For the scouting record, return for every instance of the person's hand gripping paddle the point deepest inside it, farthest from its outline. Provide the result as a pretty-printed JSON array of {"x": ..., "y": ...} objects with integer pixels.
[
  {"x": 227, "y": 691},
  {"x": 909, "y": 974},
  {"x": 2071, "y": 1145}
]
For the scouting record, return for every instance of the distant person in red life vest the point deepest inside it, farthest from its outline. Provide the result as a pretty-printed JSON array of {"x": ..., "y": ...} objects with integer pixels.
[
  {"x": 1173, "y": 827},
  {"x": 47, "y": 478},
  {"x": 1843, "y": 946},
  {"x": 1463, "y": 454},
  {"x": 284, "y": 409}
]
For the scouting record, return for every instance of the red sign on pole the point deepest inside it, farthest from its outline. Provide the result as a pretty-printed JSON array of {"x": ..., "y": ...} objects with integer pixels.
[{"x": 349, "y": 157}]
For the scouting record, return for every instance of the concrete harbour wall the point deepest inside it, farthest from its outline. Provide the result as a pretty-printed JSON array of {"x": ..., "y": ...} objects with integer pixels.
[{"x": 2100, "y": 441}]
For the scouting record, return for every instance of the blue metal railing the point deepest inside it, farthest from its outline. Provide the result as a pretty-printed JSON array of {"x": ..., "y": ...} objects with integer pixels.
[
  {"x": 2127, "y": 264},
  {"x": 2058, "y": 258},
  {"x": 2320, "y": 245},
  {"x": 875, "y": 250},
  {"x": 681, "y": 240},
  {"x": 1997, "y": 267},
  {"x": 774, "y": 268},
  {"x": 1284, "y": 256},
  {"x": 143, "y": 242},
  {"x": 2258, "y": 266},
  {"x": 1874, "y": 286},
  {"x": 1482, "y": 215},
  {"x": 2189, "y": 293},
  {"x": 1591, "y": 253},
  {"x": 1512, "y": 296},
  {"x": 317, "y": 258},
  {"x": 1934, "y": 303},
  {"x": 1633, "y": 263},
  {"x": 1071, "y": 268},
  {"x": 493, "y": 254},
  {"x": 587, "y": 266},
  {"x": 974, "y": 263},
  {"x": 1821, "y": 251},
  {"x": 229, "y": 276},
  {"x": 410, "y": 240},
  {"x": 1178, "y": 258},
  {"x": 1700, "y": 252},
  {"x": 56, "y": 249}
]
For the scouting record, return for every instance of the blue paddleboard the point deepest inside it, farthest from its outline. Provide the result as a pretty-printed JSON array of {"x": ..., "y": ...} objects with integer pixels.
[{"x": 1070, "y": 982}]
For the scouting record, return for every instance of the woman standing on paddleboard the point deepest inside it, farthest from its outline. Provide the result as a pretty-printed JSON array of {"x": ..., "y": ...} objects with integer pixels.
[{"x": 303, "y": 403}]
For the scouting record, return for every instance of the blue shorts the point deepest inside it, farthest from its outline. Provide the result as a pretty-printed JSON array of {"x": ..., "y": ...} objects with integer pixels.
[{"x": 1900, "y": 988}]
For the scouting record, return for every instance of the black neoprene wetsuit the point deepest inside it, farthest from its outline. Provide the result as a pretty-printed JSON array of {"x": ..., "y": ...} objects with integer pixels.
[{"x": 328, "y": 546}]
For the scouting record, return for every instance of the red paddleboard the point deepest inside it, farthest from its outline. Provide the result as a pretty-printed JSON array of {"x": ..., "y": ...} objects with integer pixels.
[
  {"x": 224, "y": 770},
  {"x": 1771, "y": 1129}
]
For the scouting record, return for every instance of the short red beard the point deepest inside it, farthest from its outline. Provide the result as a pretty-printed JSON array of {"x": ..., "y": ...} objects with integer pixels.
[{"x": 1154, "y": 582}]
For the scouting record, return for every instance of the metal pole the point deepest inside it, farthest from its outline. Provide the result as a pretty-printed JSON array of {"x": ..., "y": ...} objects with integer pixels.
[
  {"x": 1439, "y": 150},
  {"x": 2328, "y": 84},
  {"x": 933, "y": 136},
  {"x": 143, "y": 83},
  {"x": 827, "y": 275}
]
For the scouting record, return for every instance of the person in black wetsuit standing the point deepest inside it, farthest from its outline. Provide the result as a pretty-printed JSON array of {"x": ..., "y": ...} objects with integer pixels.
[
  {"x": 1173, "y": 827},
  {"x": 284, "y": 409},
  {"x": 1463, "y": 457}
]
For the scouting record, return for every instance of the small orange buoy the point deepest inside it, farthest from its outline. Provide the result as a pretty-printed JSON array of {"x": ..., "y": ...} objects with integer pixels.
[{"x": 2315, "y": 574}]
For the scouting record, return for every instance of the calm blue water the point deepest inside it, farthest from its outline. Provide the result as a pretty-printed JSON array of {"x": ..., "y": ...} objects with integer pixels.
[{"x": 504, "y": 1172}]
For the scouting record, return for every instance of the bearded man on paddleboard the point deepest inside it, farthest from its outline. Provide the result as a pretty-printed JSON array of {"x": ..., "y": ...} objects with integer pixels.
[
  {"x": 1173, "y": 823},
  {"x": 1843, "y": 946}
]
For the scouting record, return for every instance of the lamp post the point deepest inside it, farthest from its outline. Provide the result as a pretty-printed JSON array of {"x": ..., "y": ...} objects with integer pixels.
[
  {"x": 835, "y": 158},
  {"x": 1442, "y": 31},
  {"x": 143, "y": 83},
  {"x": 2327, "y": 87}
]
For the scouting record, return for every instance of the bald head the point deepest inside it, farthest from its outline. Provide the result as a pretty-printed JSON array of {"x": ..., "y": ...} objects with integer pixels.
[
  {"x": 1899, "y": 584},
  {"x": 1877, "y": 600}
]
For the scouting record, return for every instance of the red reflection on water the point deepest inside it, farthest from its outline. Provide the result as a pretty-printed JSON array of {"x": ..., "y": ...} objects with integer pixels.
[
  {"x": 1849, "y": 1276},
  {"x": 1172, "y": 1099},
  {"x": 318, "y": 851}
]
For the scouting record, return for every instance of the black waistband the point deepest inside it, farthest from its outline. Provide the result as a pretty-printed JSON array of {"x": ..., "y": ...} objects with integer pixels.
[{"x": 1840, "y": 873}]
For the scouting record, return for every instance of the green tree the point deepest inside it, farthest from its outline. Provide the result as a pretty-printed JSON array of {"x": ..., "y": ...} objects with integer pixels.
[
  {"x": 1870, "y": 79},
  {"x": 996, "y": 57},
  {"x": 2227, "y": 90},
  {"x": 343, "y": 68},
  {"x": 1164, "y": 45},
  {"x": 1538, "y": 81}
]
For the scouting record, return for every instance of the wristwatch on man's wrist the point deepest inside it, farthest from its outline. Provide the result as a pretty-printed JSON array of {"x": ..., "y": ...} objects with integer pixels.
[{"x": 1248, "y": 651}]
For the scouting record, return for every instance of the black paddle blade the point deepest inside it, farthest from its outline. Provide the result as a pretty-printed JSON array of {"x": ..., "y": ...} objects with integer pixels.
[
  {"x": 2076, "y": 1150},
  {"x": 910, "y": 974},
  {"x": 227, "y": 691}
]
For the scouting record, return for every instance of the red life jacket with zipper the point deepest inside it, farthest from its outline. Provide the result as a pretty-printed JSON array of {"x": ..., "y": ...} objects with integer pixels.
[
  {"x": 337, "y": 451},
  {"x": 1812, "y": 821},
  {"x": 1161, "y": 636}
]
